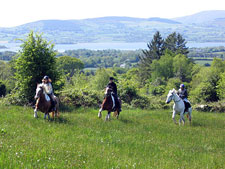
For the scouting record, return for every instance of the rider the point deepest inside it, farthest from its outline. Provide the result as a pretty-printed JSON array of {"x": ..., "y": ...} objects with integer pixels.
[
  {"x": 182, "y": 93},
  {"x": 46, "y": 83},
  {"x": 113, "y": 86}
]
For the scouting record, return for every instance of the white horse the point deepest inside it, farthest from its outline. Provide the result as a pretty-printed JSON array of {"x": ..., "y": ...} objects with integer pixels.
[{"x": 178, "y": 106}]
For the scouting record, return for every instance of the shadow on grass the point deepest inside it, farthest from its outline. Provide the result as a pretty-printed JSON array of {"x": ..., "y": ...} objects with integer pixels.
[
  {"x": 197, "y": 124},
  {"x": 126, "y": 121},
  {"x": 66, "y": 108},
  {"x": 60, "y": 120}
]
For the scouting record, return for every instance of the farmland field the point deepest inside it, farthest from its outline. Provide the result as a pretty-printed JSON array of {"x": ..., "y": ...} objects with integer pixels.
[{"x": 139, "y": 139}]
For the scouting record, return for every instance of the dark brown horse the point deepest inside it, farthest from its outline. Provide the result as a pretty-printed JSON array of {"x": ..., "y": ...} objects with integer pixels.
[
  {"x": 109, "y": 104},
  {"x": 43, "y": 103}
]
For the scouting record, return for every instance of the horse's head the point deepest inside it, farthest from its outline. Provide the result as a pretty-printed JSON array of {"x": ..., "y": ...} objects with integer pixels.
[
  {"x": 39, "y": 91},
  {"x": 170, "y": 96},
  {"x": 108, "y": 91}
]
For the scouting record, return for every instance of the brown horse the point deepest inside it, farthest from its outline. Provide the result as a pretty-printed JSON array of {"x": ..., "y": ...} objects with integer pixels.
[
  {"x": 43, "y": 103},
  {"x": 109, "y": 104}
]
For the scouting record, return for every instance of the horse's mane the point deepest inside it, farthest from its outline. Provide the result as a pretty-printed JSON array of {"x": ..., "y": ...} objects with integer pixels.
[{"x": 39, "y": 85}]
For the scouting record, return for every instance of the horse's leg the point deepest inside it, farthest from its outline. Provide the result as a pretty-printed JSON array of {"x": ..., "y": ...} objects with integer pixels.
[
  {"x": 49, "y": 118},
  {"x": 118, "y": 113},
  {"x": 107, "y": 116},
  {"x": 182, "y": 118},
  {"x": 53, "y": 114},
  {"x": 173, "y": 116},
  {"x": 36, "y": 108},
  {"x": 45, "y": 115},
  {"x": 35, "y": 113},
  {"x": 100, "y": 113},
  {"x": 189, "y": 114}
]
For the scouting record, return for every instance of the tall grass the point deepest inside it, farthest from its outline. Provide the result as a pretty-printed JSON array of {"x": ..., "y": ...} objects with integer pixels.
[{"x": 139, "y": 139}]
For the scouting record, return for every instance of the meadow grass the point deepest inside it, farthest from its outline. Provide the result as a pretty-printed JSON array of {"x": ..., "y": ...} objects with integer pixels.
[{"x": 139, "y": 139}]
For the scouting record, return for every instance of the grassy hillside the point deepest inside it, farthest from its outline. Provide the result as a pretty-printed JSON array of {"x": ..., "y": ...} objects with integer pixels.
[{"x": 140, "y": 139}]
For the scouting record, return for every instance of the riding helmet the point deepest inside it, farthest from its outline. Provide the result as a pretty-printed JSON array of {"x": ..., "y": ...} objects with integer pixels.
[
  {"x": 182, "y": 85},
  {"x": 111, "y": 78},
  {"x": 45, "y": 78}
]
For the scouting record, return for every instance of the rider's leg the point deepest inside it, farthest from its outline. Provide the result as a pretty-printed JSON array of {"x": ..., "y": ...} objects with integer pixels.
[
  {"x": 117, "y": 102},
  {"x": 52, "y": 97}
]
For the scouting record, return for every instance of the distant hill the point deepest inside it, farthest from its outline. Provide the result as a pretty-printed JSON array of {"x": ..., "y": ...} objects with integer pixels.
[
  {"x": 163, "y": 20},
  {"x": 201, "y": 17},
  {"x": 207, "y": 26}
]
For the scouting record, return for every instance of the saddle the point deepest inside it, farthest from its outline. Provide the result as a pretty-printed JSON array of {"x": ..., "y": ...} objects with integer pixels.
[
  {"x": 187, "y": 105},
  {"x": 116, "y": 103}
]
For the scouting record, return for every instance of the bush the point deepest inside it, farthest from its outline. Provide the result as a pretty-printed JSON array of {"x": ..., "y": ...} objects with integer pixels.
[
  {"x": 127, "y": 94},
  {"x": 157, "y": 90},
  {"x": 142, "y": 102},
  {"x": 173, "y": 83},
  {"x": 81, "y": 97}
]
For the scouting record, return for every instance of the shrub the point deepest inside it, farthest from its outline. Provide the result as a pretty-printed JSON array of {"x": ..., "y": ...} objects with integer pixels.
[
  {"x": 142, "y": 102},
  {"x": 81, "y": 97}
]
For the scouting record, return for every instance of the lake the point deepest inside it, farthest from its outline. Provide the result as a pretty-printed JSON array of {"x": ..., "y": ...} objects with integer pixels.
[{"x": 112, "y": 45}]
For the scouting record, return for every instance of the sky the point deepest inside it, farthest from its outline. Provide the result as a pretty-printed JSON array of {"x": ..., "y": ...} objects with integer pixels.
[{"x": 18, "y": 12}]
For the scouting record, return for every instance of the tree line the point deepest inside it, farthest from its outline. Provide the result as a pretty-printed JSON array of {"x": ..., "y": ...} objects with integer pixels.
[{"x": 162, "y": 66}]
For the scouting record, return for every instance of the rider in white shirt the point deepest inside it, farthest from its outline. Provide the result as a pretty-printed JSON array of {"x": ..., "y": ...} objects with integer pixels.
[{"x": 47, "y": 86}]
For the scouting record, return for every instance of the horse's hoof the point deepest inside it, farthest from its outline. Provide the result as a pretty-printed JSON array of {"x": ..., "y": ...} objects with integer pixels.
[
  {"x": 99, "y": 115},
  {"x": 35, "y": 116}
]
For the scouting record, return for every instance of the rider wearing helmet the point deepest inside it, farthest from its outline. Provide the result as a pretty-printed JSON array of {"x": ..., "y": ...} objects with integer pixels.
[
  {"x": 182, "y": 92},
  {"x": 113, "y": 86},
  {"x": 47, "y": 86}
]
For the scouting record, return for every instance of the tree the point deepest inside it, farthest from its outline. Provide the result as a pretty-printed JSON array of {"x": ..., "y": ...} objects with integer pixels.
[
  {"x": 176, "y": 43},
  {"x": 163, "y": 67},
  {"x": 36, "y": 59},
  {"x": 221, "y": 86},
  {"x": 68, "y": 65},
  {"x": 154, "y": 52},
  {"x": 206, "y": 85},
  {"x": 182, "y": 67},
  {"x": 155, "y": 48},
  {"x": 101, "y": 78}
]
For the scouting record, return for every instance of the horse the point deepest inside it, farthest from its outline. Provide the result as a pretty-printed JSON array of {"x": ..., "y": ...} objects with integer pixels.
[
  {"x": 43, "y": 103},
  {"x": 109, "y": 105},
  {"x": 178, "y": 107}
]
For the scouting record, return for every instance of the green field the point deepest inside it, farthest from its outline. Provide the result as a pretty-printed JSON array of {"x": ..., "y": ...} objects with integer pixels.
[{"x": 139, "y": 139}]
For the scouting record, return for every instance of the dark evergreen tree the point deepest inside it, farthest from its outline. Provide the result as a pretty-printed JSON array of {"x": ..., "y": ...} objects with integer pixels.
[
  {"x": 176, "y": 43},
  {"x": 171, "y": 42},
  {"x": 154, "y": 52},
  {"x": 181, "y": 45}
]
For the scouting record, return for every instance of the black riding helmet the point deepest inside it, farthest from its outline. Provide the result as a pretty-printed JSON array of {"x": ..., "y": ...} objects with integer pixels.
[{"x": 111, "y": 78}]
